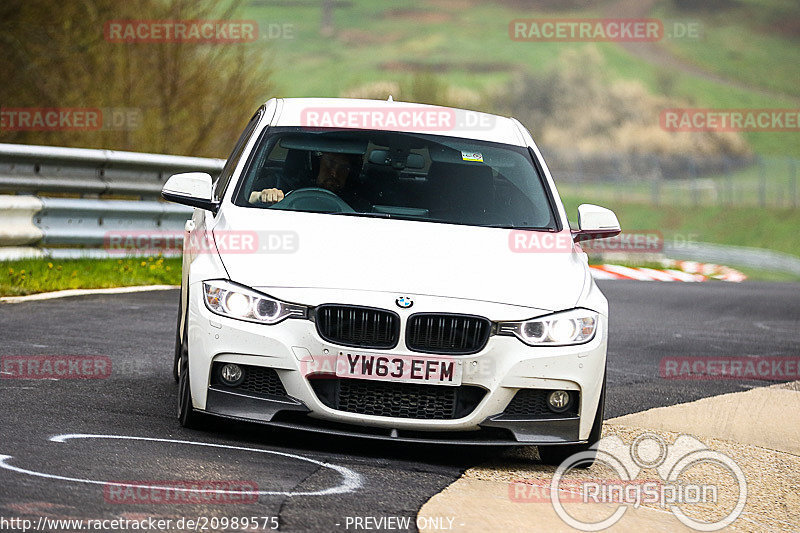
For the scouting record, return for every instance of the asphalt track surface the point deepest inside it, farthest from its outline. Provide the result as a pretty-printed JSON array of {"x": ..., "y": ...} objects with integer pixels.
[{"x": 650, "y": 321}]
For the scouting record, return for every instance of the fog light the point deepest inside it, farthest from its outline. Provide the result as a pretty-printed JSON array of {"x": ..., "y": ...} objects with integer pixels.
[
  {"x": 231, "y": 375},
  {"x": 558, "y": 401}
]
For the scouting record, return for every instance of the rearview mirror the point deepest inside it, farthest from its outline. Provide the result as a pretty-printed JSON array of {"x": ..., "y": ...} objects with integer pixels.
[
  {"x": 595, "y": 222},
  {"x": 190, "y": 188}
]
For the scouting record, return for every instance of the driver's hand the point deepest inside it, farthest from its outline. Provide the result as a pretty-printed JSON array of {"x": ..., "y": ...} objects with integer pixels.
[{"x": 267, "y": 196}]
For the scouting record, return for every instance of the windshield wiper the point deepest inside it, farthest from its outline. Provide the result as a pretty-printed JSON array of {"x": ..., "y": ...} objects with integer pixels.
[
  {"x": 395, "y": 216},
  {"x": 512, "y": 226},
  {"x": 357, "y": 214}
]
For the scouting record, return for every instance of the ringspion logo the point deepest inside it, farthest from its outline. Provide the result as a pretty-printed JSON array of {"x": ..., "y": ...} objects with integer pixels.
[{"x": 690, "y": 476}]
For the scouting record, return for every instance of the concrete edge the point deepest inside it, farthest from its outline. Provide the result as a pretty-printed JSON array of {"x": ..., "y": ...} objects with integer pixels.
[
  {"x": 744, "y": 417},
  {"x": 481, "y": 502}
]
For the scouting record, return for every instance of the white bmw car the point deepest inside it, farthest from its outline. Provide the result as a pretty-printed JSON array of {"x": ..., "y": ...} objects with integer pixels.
[{"x": 391, "y": 271}]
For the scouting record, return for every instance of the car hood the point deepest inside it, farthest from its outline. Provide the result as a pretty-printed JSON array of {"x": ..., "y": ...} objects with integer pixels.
[{"x": 313, "y": 250}]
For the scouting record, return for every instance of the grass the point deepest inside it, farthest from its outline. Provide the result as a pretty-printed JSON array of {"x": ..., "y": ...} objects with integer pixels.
[
  {"x": 470, "y": 48},
  {"x": 727, "y": 45},
  {"x": 29, "y": 276},
  {"x": 697, "y": 92},
  {"x": 774, "y": 229},
  {"x": 766, "y": 275}
]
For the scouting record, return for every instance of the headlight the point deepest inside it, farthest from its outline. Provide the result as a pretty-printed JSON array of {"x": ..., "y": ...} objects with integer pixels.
[
  {"x": 234, "y": 301},
  {"x": 560, "y": 329}
]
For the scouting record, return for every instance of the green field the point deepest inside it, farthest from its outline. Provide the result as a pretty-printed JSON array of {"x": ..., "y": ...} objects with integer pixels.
[
  {"x": 748, "y": 56},
  {"x": 727, "y": 45},
  {"x": 470, "y": 48},
  {"x": 29, "y": 276},
  {"x": 775, "y": 229}
]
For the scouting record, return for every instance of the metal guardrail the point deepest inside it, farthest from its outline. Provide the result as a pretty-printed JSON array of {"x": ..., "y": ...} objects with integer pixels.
[
  {"x": 29, "y": 218},
  {"x": 68, "y": 221},
  {"x": 28, "y": 221},
  {"x": 49, "y": 169},
  {"x": 741, "y": 256},
  {"x": 31, "y": 221}
]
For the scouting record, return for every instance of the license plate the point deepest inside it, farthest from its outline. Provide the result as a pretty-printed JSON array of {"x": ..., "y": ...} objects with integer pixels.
[{"x": 400, "y": 368}]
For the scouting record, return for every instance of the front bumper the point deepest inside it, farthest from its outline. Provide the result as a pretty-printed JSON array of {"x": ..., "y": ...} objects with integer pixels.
[
  {"x": 297, "y": 353},
  {"x": 295, "y": 416}
]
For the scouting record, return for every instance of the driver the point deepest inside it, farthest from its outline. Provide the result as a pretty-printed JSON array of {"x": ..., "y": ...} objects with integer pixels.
[{"x": 334, "y": 171}]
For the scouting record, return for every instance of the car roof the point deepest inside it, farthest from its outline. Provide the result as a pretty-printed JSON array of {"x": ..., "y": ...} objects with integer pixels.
[{"x": 387, "y": 115}]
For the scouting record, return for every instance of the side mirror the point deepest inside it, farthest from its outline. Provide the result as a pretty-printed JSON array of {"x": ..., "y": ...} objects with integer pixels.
[
  {"x": 595, "y": 222},
  {"x": 190, "y": 188}
]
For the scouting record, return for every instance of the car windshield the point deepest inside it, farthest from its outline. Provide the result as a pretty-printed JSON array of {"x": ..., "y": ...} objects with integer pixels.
[{"x": 396, "y": 175}]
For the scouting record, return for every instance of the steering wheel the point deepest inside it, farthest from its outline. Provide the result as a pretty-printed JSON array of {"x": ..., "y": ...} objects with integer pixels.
[{"x": 313, "y": 199}]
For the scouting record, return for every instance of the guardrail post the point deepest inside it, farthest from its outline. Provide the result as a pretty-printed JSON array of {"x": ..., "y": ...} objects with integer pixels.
[{"x": 18, "y": 225}]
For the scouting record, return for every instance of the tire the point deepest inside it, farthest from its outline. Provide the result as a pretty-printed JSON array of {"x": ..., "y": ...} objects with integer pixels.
[
  {"x": 555, "y": 455},
  {"x": 178, "y": 342},
  {"x": 187, "y": 415}
]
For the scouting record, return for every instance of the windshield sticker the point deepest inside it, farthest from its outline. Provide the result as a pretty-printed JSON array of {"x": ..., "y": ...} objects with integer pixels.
[{"x": 472, "y": 156}]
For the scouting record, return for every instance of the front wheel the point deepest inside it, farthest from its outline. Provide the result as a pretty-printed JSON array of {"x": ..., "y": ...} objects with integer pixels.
[
  {"x": 187, "y": 415},
  {"x": 178, "y": 343},
  {"x": 555, "y": 455}
]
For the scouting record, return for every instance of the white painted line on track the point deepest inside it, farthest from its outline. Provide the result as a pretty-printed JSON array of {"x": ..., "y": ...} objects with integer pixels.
[
  {"x": 351, "y": 481},
  {"x": 84, "y": 292}
]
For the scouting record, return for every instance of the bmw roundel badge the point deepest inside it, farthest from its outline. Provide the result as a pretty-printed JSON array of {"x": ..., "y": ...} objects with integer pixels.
[{"x": 404, "y": 301}]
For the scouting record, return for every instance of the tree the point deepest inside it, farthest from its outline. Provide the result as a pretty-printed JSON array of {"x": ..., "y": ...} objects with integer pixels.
[{"x": 189, "y": 98}]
